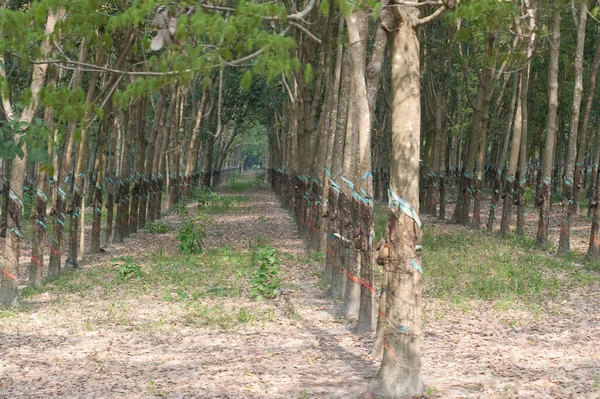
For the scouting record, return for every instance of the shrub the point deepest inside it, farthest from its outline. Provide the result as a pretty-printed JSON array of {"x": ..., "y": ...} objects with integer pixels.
[
  {"x": 259, "y": 179},
  {"x": 157, "y": 228},
  {"x": 265, "y": 282},
  {"x": 191, "y": 237},
  {"x": 128, "y": 268}
]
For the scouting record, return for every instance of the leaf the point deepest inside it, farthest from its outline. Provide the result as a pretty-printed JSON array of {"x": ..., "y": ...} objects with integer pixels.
[
  {"x": 308, "y": 73},
  {"x": 324, "y": 8},
  {"x": 246, "y": 81}
]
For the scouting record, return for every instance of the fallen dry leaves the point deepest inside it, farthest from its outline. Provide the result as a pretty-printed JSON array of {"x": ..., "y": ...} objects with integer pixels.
[{"x": 91, "y": 347}]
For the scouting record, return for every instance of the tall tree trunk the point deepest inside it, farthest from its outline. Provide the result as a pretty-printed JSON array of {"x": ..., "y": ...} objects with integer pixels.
[
  {"x": 593, "y": 253},
  {"x": 583, "y": 138},
  {"x": 9, "y": 284},
  {"x": 564, "y": 245},
  {"x": 100, "y": 177},
  {"x": 36, "y": 267},
  {"x": 111, "y": 178},
  {"x": 140, "y": 158},
  {"x": 338, "y": 278},
  {"x": 400, "y": 372},
  {"x": 509, "y": 186},
  {"x": 501, "y": 160},
  {"x": 363, "y": 235},
  {"x": 148, "y": 177},
  {"x": 192, "y": 154},
  {"x": 545, "y": 197}
]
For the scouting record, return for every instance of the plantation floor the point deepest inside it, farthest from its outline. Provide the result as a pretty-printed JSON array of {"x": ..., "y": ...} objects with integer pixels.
[{"x": 187, "y": 329}]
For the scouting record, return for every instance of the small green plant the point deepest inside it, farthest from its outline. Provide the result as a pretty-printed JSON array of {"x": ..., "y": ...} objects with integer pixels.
[
  {"x": 528, "y": 195},
  {"x": 259, "y": 179},
  {"x": 191, "y": 236},
  {"x": 157, "y": 228},
  {"x": 205, "y": 196},
  {"x": 180, "y": 209},
  {"x": 245, "y": 315},
  {"x": 128, "y": 268},
  {"x": 265, "y": 282}
]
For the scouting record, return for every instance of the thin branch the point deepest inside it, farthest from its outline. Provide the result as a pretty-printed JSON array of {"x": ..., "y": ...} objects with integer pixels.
[
  {"x": 416, "y": 4},
  {"x": 300, "y": 15},
  {"x": 306, "y": 32},
  {"x": 97, "y": 68},
  {"x": 287, "y": 88},
  {"x": 431, "y": 17}
]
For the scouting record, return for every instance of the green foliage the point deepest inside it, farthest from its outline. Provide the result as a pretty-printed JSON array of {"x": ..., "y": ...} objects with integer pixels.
[
  {"x": 265, "y": 282},
  {"x": 180, "y": 209},
  {"x": 191, "y": 236},
  {"x": 157, "y": 228},
  {"x": 34, "y": 137},
  {"x": 259, "y": 179},
  {"x": 246, "y": 81},
  {"x": 528, "y": 195},
  {"x": 128, "y": 268},
  {"x": 205, "y": 196},
  {"x": 208, "y": 199},
  {"x": 308, "y": 73}
]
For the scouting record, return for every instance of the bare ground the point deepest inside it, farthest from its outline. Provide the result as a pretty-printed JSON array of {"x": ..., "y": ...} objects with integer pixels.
[{"x": 91, "y": 346}]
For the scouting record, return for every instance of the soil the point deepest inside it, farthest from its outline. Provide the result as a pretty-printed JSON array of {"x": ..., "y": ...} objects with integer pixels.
[{"x": 91, "y": 347}]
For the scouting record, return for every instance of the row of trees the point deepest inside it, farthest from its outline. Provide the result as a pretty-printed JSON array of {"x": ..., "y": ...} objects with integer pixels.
[
  {"x": 488, "y": 77},
  {"x": 87, "y": 130},
  {"x": 146, "y": 94}
]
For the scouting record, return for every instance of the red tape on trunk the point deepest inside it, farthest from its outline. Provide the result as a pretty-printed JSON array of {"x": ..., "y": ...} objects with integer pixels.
[{"x": 7, "y": 274}]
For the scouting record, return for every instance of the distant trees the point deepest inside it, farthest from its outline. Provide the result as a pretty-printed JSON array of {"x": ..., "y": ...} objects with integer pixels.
[{"x": 418, "y": 104}]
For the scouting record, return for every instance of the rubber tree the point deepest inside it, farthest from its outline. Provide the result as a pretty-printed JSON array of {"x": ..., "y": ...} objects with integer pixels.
[
  {"x": 544, "y": 197},
  {"x": 400, "y": 371},
  {"x": 568, "y": 207},
  {"x": 9, "y": 284}
]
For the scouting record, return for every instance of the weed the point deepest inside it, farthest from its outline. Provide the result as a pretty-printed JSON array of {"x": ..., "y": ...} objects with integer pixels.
[
  {"x": 191, "y": 236},
  {"x": 215, "y": 315},
  {"x": 157, "y": 228},
  {"x": 265, "y": 282},
  {"x": 596, "y": 380},
  {"x": 245, "y": 315},
  {"x": 128, "y": 268},
  {"x": 180, "y": 209},
  {"x": 259, "y": 179}
]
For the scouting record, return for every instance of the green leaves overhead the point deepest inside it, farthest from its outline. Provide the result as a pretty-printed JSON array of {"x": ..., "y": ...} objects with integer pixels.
[{"x": 246, "y": 81}]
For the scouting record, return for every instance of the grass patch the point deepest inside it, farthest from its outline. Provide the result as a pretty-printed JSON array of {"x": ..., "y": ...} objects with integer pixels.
[
  {"x": 472, "y": 265},
  {"x": 462, "y": 265},
  {"x": 217, "y": 273}
]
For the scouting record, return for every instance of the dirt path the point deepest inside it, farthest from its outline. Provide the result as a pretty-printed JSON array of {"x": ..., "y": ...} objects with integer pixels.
[{"x": 90, "y": 344}]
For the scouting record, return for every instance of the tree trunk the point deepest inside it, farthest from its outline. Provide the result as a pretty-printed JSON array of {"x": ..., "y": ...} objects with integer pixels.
[
  {"x": 400, "y": 372},
  {"x": 564, "y": 245},
  {"x": 98, "y": 190},
  {"x": 363, "y": 234},
  {"x": 583, "y": 138},
  {"x": 9, "y": 284},
  {"x": 111, "y": 178},
  {"x": 545, "y": 197}
]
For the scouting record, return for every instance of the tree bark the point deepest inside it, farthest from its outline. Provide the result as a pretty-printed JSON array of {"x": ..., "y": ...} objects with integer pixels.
[
  {"x": 583, "y": 137},
  {"x": 9, "y": 284},
  {"x": 545, "y": 198},
  {"x": 400, "y": 372},
  {"x": 509, "y": 186},
  {"x": 564, "y": 245}
]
